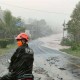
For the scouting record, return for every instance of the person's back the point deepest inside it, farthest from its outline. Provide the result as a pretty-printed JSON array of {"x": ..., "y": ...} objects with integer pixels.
[{"x": 22, "y": 60}]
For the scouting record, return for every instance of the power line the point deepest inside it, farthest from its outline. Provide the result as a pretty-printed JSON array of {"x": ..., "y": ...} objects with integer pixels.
[{"x": 34, "y": 9}]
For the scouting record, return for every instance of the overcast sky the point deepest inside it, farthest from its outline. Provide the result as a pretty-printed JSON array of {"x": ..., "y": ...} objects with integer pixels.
[{"x": 61, "y": 9}]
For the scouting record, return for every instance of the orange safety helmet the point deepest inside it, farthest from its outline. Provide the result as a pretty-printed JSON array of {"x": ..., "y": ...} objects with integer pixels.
[{"x": 22, "y": 36}]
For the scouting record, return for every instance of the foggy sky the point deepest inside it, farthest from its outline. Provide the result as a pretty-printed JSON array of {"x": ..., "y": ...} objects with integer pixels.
[{"x": 61, "y": 9}]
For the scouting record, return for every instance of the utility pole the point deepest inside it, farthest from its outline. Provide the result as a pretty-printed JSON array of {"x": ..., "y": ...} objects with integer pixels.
[{"x": 64, "y": 25}]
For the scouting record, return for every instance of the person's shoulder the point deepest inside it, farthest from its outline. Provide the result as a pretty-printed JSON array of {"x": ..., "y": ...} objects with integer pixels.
[
  {"x": 29, "y": 51},
  {"x": 18, "y": 49}
]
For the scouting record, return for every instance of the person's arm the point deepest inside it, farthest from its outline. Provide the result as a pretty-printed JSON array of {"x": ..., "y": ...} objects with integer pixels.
[{"x": 13, "y": 58}]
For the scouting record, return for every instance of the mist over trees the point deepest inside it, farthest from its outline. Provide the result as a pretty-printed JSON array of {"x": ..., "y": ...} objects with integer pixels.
[
  {"x": 8, "y": 25},
  {"x": 38, "y": 28},
  {"x": 11, "y": 26}
]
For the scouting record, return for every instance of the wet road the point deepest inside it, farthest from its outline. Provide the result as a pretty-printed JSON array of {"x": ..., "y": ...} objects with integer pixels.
[
  {"x": 55, "y": 64},
  {"x": 49, "y": 64}
]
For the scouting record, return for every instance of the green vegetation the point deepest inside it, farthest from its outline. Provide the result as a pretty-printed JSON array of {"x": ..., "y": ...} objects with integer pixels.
[
  {"x": 7, "y": 49},
  {"x": 73, "y": 29},
  {"x": 10, "y": 26},
  {"x": 72, "y": 52},
  {"x": 5, "y": 42},
  {"x": 66, "y": 41}
]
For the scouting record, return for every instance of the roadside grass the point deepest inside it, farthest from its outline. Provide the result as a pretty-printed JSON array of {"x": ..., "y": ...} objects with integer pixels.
[
  {"x": 7, "y": 49},
  {"x": 72, "y": 52}
]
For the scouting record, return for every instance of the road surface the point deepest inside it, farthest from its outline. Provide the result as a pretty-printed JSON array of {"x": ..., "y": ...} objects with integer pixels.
[{"x": 49, "y": 64}]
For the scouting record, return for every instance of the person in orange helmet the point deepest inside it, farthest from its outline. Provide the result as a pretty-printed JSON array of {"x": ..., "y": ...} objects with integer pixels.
[{"x": 21, "y": 61}]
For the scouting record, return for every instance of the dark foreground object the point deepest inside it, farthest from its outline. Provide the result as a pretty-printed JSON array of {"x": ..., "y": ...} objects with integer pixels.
[{"x": 20, "y": 77}]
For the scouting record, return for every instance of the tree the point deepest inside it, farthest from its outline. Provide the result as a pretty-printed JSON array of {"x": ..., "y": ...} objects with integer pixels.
[
  {"x": 7, "y": 18},
  {"x": 74, "y": 25},
  {"x": 9, "y": 27},
  {"x": 38, "y": 28}
]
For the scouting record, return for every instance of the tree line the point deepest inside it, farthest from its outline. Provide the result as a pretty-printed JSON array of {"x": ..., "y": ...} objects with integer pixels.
[
  {"x": 10, "y": 26},
  {"x": 73, "y": 28}
]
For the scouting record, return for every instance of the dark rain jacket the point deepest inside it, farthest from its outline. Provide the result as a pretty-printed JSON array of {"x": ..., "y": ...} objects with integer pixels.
[{"x": 22, "y": 60}]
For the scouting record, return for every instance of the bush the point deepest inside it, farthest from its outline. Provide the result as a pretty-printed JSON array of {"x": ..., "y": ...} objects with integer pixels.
[
  {"x": 10, "y": 40},
  {"x": 74, "y": 46},
  {"x": 66, "y": 42},
  {"x": 5, "y": 42}
]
